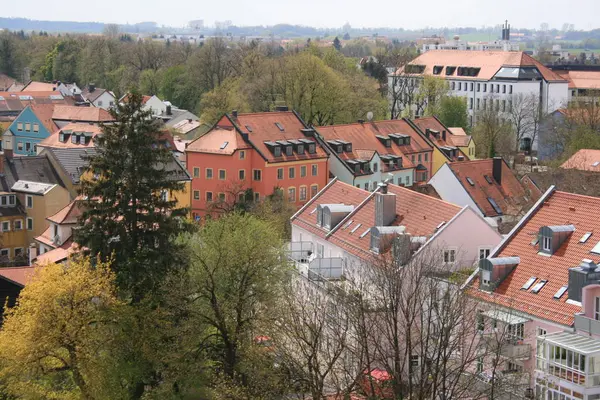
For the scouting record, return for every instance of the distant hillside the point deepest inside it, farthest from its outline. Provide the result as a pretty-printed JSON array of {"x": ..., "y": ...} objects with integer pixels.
[{"x": 17, "y": 24}]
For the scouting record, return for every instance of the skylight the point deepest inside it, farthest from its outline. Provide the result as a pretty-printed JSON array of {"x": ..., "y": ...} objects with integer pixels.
[
  {"x": 470, "y": 181},
  {"x": 249, "y": 128},
  {"x": 560, "y": 292},
  {"x": 313, "y": 211},
  {"x": 440, "y": 225},
  {"x": 585, "y": 237},
  {"x": 596, "y": 248},
  {"x": 224, "y": 145},
  {"x": 528, "y": 284},
  {"x": 365, "y": 233},
  {"x": 535, "y": 241},
  {"x": 495, "y": 205},
  {"x": 355, "y": 228},
  {"x": 488, "y": 179},
  {"x": 348, "y": 224},
  {"x": 536, "y": 289},
  {"x": 278, "y": 125},
  {"x": 596, "y": 164}
]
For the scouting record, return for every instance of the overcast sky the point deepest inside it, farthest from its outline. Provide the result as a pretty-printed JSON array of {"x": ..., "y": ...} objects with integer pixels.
[{"x": 410, "y": 14}]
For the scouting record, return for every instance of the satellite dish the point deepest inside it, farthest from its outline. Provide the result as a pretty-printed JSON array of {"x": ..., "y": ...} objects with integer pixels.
[{"x": 370, "y": 116}]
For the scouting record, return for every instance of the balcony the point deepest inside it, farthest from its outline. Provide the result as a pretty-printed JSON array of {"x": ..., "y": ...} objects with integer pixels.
[
  {"x": 586, "y": 324},
  {"x": 312, "y": 267},
  {"x": 510, "y": 348}
]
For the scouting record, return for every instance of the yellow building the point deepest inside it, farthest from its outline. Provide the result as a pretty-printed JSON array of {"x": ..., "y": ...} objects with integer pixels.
[{"x": 13, "y": 241}]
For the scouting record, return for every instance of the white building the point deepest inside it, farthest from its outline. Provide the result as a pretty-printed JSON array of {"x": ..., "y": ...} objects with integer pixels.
[
  {"x": 503, "y": 44},
  {"x": 101, "y": 98}
]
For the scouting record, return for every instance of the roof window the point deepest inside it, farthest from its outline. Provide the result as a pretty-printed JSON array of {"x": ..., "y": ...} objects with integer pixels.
[
  {"x": 488, "y": 179},
  {"x": 494, "y": 205},
  {"x": 279, "y": 126},
  {"x": 529, "y": 282},
  {"x": 355, "y": 228},
  {"x": 536, "y": 289},
  {"x": 470, "y": 181},
  {"x": 440, "y": 225},
  {"x": 348, "y": 224},
  {"x": 560, "y": 292},
  {"x": 596, "y": 164},
  {"x": 585, "y": 237},
  {"x": 224, "y": 145},
  {"x": 450, "y": 70},
  {"x": 249, "y": 128},
  {"x": 362, "y": 235},
  {"x": 437, "y": 69},
  {"x": 414, "y": 69},
  {"x": 596, "y": 249}
]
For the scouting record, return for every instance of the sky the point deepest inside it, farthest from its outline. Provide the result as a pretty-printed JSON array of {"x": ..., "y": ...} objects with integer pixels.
[{"x": 408, "y": 14}]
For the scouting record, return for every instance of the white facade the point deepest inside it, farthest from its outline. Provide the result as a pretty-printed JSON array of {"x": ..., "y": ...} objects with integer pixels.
[
  {"x": 402, "y": 177},
  {"x": 457, "y": 44},
  {"x": 106, "y": 101},
  {"x": 156, "y": 105},
  {"x": 451, "y": 190}
]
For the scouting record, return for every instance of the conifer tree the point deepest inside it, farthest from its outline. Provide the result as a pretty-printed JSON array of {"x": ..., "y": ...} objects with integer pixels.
[{"x": 128, "y": 217}]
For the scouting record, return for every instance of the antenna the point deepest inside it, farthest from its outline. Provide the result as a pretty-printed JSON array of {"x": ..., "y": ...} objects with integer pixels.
[{"x": 370, "y": 116}]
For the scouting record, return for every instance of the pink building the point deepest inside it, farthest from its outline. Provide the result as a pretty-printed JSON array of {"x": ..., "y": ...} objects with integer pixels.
[{"x": 541, "y": 287}]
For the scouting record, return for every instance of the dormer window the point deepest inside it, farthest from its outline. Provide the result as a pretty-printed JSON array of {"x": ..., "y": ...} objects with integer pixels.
[
  {"x": 348, "y": 147},
  {"x": 546, "y": 244},
  {"x": 312, "y": 148},
  {"x": 300, "y": 149},
  {"x": 388, "y": 143},
  {"x": 552, "y": 237},
  {"x": 289, "y": 151},
  {"x": 75, "y": 139},
  {"x": 339, "y": 149},
  {"x": 277, "y": 151}
]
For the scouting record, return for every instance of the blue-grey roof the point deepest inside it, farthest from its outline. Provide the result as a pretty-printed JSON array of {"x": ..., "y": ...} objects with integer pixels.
[{"x": 33, "y": 169}]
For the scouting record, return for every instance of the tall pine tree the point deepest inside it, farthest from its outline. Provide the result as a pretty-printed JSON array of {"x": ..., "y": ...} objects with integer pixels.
[{"x": 127, "y": 216}]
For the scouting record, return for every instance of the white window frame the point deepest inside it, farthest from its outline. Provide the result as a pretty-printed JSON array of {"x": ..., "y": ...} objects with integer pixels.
[
  {"x": 5, "y": 224},
  {"x": 7, "y": 251},
  {"x": 20, "y": 221},
  {"x": 27, "y": 223},
  {"x": 546, "y": 243},
  {"x": 540, "y": 331},
  {"x": 320, "y": 250},
  {"x": 450, "y": 251},
  {"x": 485, "y": 249},
  {"x": 28, "y": 200},
  {"x": 18, "y": 248}
]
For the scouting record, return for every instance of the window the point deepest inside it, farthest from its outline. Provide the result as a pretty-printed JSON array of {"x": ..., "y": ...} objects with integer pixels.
[
  {"x": 510, "y": 89},
  {"x": 450, "y": 256},
  {"x": 196, "y": 172},
  {"x": 479, "y": 87},
  {"x": 289, "y": 151},
  {"x": 242, "y": 155},
  {"x": 485, "y": 104},
  {"x": 19, "y": 126},
  {"x": 27, "y": 127},
  {"x": 74, "y": 139},
  {"x": 292, "y": 195},
  {"x": 5, "y": 226},
  {"x": 303, "y": 171},
  {"x": 459, "y": 85},
  {"x": 529, "y": 282},
  {"x": 29, "y": 224},
  {"x": 209, "y": 173},
  {"x": 209, "y": 197},
  {"x": 480, "y": 321},
  {"x": 479, "y": 365},
  {"x": 503, "y": 88},
  {"x": 503, "y": 105},
  {"x": 314, "y": 189},
  {"x": 257, "y": 174},
  {"x": 470, "y": 104},
  {"x": 471, "y": 86},
  {"x": 242, "y": 174},
  {"x": 99, "y": 103},
  {"x": 277, "y": 151},
  {"x": 484, "y": 253},
  {"x": 279, "y": 173},
  {"x": 538, "y": 286},
  {"x": 546, "y": 243},
  {"x": 29, "y": 201},
  {"x": 540, "y": 331},
  {"x": 597, "y": 309},
  {"x": 20, "y": 146},
  {"x": 302, "y": 193},
  {"x": 256, "y": 197},
  {"x": 222, "y": 174},
  {"x": 36, "y": 127},
  {"x": 196, "y": 195},
  {"x": 485, "y": 87},
  {"x": 221, "y": 197},
  {"x": 407, "y": 180},
  {"x": 18, "y": 224},
  {"x": 314, "y": 169},
  {"x": 375, "y": 167},
  {"x": 366, "y": 185},
  {"x": 426, "y": 155},
  {"x": 478, "y": 103},
  {"x": 18, "y": 252},
  {"x": 516, "y": 331},
  {"x": 509, "y": 105},
  {"x": 453, "y": 85},
  {"x": 291, "y": 172}
]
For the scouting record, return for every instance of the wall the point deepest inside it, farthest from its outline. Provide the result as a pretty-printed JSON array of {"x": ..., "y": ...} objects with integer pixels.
[
  {"x": 14, "y": 239},
  {"x": 184, "y": 197},
  {"x": 104, "y": 101},
  {"x": 451, "y": 190},
  {"x": 44, "y": 206},
  {"x": 72, "y": 188},
  {"x": 320, "y": 180},
  {"x": 156, "y": 105},
  {"x": 439, "y": 159},
  {"x": 26, "y": 138}
]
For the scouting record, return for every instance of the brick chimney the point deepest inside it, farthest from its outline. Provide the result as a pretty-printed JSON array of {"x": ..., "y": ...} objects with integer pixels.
[
  {"x": 497, "y": 169},
  {"x": 385, "y": 206},
  {"x": 33, "y": 251}
]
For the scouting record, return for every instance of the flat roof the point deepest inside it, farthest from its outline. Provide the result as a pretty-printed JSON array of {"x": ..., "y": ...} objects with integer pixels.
[{"x": 572, "y": 341}]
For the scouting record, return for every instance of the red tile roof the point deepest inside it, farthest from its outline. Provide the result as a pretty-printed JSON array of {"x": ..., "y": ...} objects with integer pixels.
[
  {"x": 432, "y": 123},
  {"x": 581, "y": 79},
  {"x": 18, "y": 275},
  {"x": 58, "y": 254},
  {"x": 490, "y": 63},
  {"x": 44, "y": 113},
  {"x": 84, "y": 114},
  {"x": 54, "y": 142},
  {"x": 214, "y": 140},
  {"x": 34, "y": 86},
  {"x": 584, "y": 160},
  {"x": 68, "y": 215},
  {"x": 510, "y": 196},
  {"x": 259, "y": 128},
  {"x": 559, "y": 208}
]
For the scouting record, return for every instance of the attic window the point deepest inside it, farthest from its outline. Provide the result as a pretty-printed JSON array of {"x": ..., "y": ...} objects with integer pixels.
[
  {"x": 300, "y": 149},
  {"x": 450, "y": 70},
  {"x": 440, "y": 225},
  {"x": 277, "y": 151},
  {"x": 362, "y": 235},
  {"x": 560, "y": 292},
  {"x": 249, "y": 128},
  {"x": 437, "y": 69},
  {"x": 470, "y": 181},
  {"x": 312, "y": 148},
  {"x": 348, "y": 147},
  {"x": 494, "y": 205},
  {"x": 536, "y": 289},
  {"x": 585, "y": 237},
  {"x": 279, "y": 126},
  {"x": 289, "y": 151},
  {"x": 224, "y": 145},
  {"x": 528, "y": 284},
  {"x": 355, "y": 228},
  {"x": 596, "y": 164},
  {"x": 313, "y": 211},
  {"x": 535, "y": 241},
  {"x": 488, "y": 179},
  {"x": 348, "y": 224},
  {"x": 596, "y": 248}
]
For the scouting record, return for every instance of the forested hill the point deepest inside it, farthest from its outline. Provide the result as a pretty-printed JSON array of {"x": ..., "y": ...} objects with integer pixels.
[{"x": 17, "y": 24}]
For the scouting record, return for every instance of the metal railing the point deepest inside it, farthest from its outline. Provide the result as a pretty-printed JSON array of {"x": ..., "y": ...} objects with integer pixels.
[
  {"x": 326, "y": 268},
  {"x": 586, "y": 324}
]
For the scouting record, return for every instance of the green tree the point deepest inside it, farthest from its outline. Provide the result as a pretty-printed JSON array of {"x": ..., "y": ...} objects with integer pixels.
[
  {"x": 337, "y": 44},
  {"x": 430, "y": 94},
  {"x": 236, "y": 271},
  {"x": 8, "y": 54},
  {"x": 128, "y": 216},
  {"x": 222, "y": 99},
  {"x": 453, "y": 112}
]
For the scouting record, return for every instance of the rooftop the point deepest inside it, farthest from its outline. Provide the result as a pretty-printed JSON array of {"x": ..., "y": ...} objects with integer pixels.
[
  {"x": 82, "y": 114},
  {"x": 31, "y": 169},
  {"x": 584, "y": 160},
  {"x": 32, "y": 187},
  {"x": 75, "y": 128},
  {"x": 15, "y": 102},
  {"x": 18, "y": 275},
  {"x": 581, "y": 79},
  {"x": 558, "y": 208},
  {"x": 441, "y": 136},
  {"x": 35, "y": 86}
]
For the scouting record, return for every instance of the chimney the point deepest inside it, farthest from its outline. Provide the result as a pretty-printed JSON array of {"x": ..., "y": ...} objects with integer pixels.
[
  {"x": 91, "y": 87},
  {"x": 427, "y": 132},
  {"x": 189, "y": 120},
  {"x": 385, "y": 207},
  {"x": 361, "y": 121},
  {"x": 497, "y": 169},
  {"x": 234, "y": 113},
  {"x": 169, "y": 112},
  {"x": 282, "y": 108},
  {"x": 32, "y": 253},
  {"x": 7, "y": 154}
]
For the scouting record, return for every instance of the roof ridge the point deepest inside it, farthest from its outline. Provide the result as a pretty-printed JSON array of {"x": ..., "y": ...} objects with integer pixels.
[
  {"x": 424, "y": 195},
  {"x": 578, "y": 195}
]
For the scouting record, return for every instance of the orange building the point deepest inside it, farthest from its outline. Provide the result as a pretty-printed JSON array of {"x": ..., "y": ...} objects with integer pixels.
[{"x": 247, "y": 155}]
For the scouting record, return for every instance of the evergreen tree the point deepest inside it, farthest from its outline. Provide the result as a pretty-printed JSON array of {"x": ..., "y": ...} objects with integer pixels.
[
  {"x": 337, "y": 44},
  {"x": 127, "y": 215}
]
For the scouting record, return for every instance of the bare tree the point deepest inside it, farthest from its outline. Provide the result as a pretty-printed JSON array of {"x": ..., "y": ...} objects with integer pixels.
[
  {"x": 403, "y": 90},
  {"x": 493, "y": 134}
]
